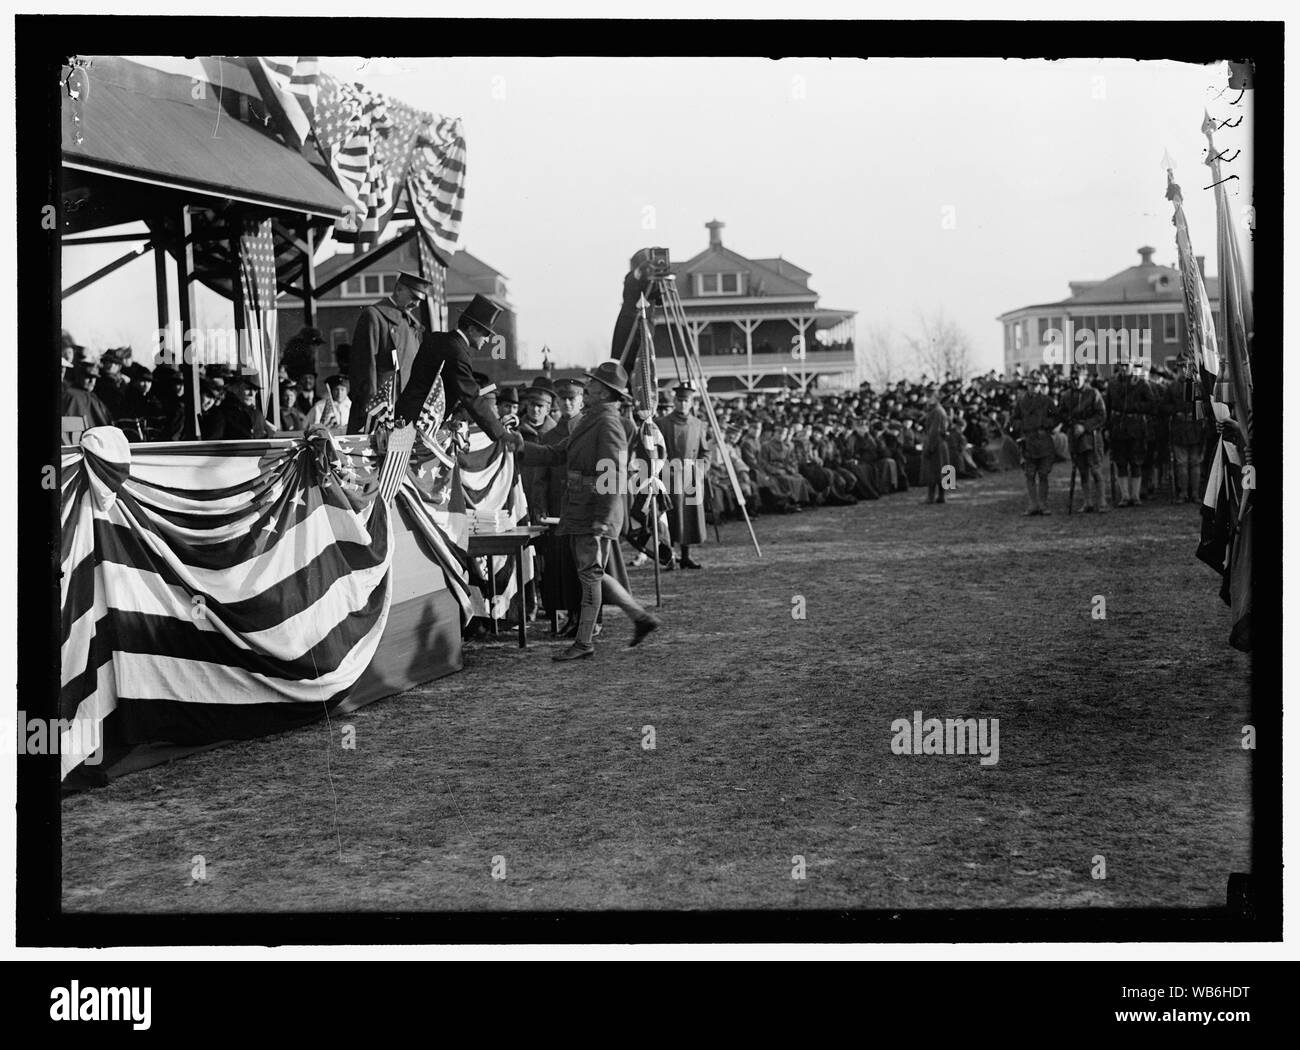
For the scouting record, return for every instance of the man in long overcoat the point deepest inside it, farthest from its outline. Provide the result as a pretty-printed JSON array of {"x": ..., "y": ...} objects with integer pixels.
[
  {"x": 594, "y": 457},
  {"x": 687, "y": 446}
]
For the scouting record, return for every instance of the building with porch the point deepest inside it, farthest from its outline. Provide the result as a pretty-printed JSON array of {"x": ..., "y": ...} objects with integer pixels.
[
  {"x": 1146, "y": 299},
  {"x": 758, "y": 324}
]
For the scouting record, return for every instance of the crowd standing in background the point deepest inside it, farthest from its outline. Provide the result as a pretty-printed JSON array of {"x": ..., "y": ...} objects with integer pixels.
[{"x": 1127, "y": 437}]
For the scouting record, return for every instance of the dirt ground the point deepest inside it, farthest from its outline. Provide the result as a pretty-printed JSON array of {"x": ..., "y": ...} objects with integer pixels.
[{"x": 1118, "y": 738}]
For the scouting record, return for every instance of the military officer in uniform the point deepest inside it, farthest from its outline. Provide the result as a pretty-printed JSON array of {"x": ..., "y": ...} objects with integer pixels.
[
  {"x": 386, "y": 341},
  {"x": 1084, "y": 412},
  {"x": 1032, "y": 421},
  {"x": 1187, "y": 442},
  {"x": 447, "y": 354},
  {"x": 687, "y": 446},
  {"x": 1128, "y": 403},
  {"x": 592, "y": 515}
]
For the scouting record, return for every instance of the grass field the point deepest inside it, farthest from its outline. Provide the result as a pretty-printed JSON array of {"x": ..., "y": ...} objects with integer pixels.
[{"x": 1118, "y": 738}]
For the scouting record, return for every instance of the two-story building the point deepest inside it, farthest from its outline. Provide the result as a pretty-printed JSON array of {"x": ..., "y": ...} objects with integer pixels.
[
  {"x": 758, "y": 324},
  {"x": 337, "y": 310},
  {"x": 1146, "y": 299}
]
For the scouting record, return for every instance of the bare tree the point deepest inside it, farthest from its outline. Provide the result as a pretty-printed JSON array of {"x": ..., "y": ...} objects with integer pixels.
[
  {"x": 878, "y": 356},
  {"x": 940, "y": 346}
]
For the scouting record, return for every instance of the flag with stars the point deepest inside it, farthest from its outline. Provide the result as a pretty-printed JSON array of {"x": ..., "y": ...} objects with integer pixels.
[
  {"x": 255, "y": 311},
  {"x": 384, "y": 153}
]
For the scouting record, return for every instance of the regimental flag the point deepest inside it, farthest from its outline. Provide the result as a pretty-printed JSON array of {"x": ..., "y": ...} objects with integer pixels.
[
  {"x": 211, "y": 597},
  {"x": 1202, "y": 349},
  {"x": 255, "y": 312},
  {"x": 1234, "y": 299}
]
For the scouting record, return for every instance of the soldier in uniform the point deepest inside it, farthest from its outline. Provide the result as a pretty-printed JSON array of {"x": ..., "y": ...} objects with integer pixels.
[
  {"x": 387, "y": 340},
  {"x": 1084, "y": 412},
  {"x": 447, "y": 354},
  {"x": 1032, "y": 421},
  {"x": 592, "y": 515},
  {"x": 1128, "y": 404},
  {"x": 687, "y": 446},
  {"x": 535, "y": 425},
  {"x": 934, "y": 449},
  {"x": 1187, "y": 441},
  {"x": 1157, "y": 464}
]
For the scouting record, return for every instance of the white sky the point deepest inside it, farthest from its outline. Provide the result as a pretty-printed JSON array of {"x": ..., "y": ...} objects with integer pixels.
[{"x": 844, "y": 167}]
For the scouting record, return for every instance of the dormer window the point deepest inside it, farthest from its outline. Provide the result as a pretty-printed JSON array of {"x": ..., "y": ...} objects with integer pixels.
[{"x": 719, "y": 283}]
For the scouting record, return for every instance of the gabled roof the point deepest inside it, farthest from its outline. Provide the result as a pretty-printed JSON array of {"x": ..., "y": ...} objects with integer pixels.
[{"x": 762, "y": 279}]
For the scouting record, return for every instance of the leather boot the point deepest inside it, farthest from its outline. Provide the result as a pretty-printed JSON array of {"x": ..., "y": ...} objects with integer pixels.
[
  {"x": 1042, "y": 496},
  {"x": 1031, "y": 485},
  {"x": 1102, "y": 506}
]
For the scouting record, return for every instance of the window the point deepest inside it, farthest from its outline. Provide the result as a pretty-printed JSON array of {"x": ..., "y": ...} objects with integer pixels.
[
  {"x": 1171, "y": 328},
  {"x": 370, "y": 285},
  {"x": 337, "y": 336},
  {"x": 719, "y": 283}
]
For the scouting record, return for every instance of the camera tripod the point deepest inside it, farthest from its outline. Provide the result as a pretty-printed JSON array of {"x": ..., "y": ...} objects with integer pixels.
[{"x": 686, "y": 354}]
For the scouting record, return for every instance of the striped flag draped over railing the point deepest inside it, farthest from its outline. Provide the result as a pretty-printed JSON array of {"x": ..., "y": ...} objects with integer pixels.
[
  {"x": 190, "y": 578},
  {"x": 384, "y": 151}
]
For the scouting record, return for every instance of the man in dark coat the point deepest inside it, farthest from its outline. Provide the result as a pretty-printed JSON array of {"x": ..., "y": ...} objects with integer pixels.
[
  {"x": 1084, "y": 412},
  {"x": 560, "y": 586},
  {"x": 1128, "y": 404},
  {"x": 536, "y": 424},
  {"x": 687, "y": 445},
  {"x": 79, "y": 398},
  {"x": 112, "y": 385},
  {"x": 386, "y": 342},
  {"x": 594, "y": 457},
  {"x": 447, "y": 354},
  {"x": 1187, "y": 439},
  {"x": 139, "y": 404},
  {"x": 1032, "y": 421},
  {"x": 934, "y": 449},
  {"x": 238, "y": 417}
]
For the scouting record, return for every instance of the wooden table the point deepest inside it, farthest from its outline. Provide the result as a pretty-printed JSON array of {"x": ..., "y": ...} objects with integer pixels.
[{"x": 511, "y": 542}]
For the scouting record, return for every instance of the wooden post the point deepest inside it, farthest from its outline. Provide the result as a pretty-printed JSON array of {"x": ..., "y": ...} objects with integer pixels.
[
  {"x": 185, "y": 288},
  {"x": 309, "y": 278},
  {"x": 164, "y": 307}
]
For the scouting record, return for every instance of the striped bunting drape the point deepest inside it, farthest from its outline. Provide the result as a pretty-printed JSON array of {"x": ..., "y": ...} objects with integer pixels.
[{"x": 231, "y": 579}]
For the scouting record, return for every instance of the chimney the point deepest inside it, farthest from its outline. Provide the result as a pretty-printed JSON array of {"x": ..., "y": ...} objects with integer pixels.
[
  {"x": 715, "y": 234},
  {"x": 1146, "y": 253}
]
